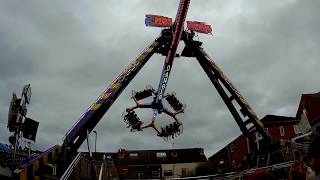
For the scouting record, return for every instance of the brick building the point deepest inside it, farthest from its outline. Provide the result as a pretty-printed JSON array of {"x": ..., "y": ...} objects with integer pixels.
[
  {"x": 143, "y": 164},
  {"x": 309, "y": 107},
  {"x": 234, "y": 156},
  {"x": 231, "y": 157},
  {"x": 280, "y": 127},
  {"x": 157, "y": 164}
]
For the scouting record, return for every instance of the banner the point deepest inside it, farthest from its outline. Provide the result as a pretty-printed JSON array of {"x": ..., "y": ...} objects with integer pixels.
[
  {"x": 200, "y": 27},
  {"x": 158, "y": 21}
]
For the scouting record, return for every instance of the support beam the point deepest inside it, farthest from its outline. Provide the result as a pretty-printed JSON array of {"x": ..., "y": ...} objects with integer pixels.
[
  {"x": 220, "y": 80},
  {"x": 215, "y": 81}
]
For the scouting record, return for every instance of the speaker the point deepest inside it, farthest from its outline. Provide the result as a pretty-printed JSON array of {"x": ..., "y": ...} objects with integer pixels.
[
  {"x": 13, "y": 113},
  {"x": 30, "y": 128}
]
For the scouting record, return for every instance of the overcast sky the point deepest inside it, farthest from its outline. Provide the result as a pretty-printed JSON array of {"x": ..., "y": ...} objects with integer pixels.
[{"x": 69, "y": 51}]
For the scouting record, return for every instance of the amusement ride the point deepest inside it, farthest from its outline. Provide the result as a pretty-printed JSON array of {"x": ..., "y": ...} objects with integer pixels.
[{"x": 173, "y": 31}]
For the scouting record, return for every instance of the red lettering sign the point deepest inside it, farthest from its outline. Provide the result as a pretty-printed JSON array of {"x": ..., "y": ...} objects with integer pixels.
[
  {"x": 200, "y": 27},
  {"x": 162, "y": 21},
  {"x": 158, "y": 21}
]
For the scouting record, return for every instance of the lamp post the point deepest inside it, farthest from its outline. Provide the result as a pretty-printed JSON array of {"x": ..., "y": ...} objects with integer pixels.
[{"x": 95, "y": 141}]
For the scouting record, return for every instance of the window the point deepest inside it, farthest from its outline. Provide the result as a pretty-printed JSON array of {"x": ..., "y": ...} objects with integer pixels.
[
  {"x": 167, "y": 173},
  {"x": 140, "y": 175},
  {"x": 184, "y": 172},
  {"x": 121, "y": 153},
  {"x": 201, "y": 152},
  {"x": 296, "y": 129},
  {"x": 133, "y": 155},
  {"x": 220, "y": 166},
  {"x": 161, "y": 154},
  {"x": 174, "y": 154},
  {"x": 231, "y": 148},
  {"x": 155, "y": 174},
  {"x": 281, "y": 129},
  {"x": 124, "y": 170},
  {"x": 258, "y": 136}
]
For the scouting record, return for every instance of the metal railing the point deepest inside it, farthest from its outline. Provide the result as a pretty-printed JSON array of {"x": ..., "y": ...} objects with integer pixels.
[
  {"x": 240, "y": 175},
  {"x": 70, "y": 169}
]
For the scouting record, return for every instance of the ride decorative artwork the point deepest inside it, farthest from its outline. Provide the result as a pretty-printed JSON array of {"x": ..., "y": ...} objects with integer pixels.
[
  {"x": 165, "y": 81},
  {"x": 158, "y": 21},
  {"x": 200, "y": 27}
]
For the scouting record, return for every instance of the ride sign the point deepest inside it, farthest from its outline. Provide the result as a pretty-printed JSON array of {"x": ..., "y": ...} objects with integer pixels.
[
  {"x": 200, "y": 27},
  {"x": 158, "y": 21}
]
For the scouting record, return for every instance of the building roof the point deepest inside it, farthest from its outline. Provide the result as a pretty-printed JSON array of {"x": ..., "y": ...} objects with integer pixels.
[
  {"x": 164, "y": 156},
  {"x": 100, "y": 155},
  {"x": 223, "y": 150},
  {"x": 311, "y": 103},
  {"x": 278, "y": 120},
  {"x": 315, "y": 120},
  {"x": 161, "y": 156}
]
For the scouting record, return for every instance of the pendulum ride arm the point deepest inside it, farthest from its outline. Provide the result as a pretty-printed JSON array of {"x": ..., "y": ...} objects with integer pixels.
[
  {"x": 77, "y": 134},
  {"x": 178, "y": 29},
  {"x": 169, "y": 39},
  {"x": 221, "y": 82}
]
